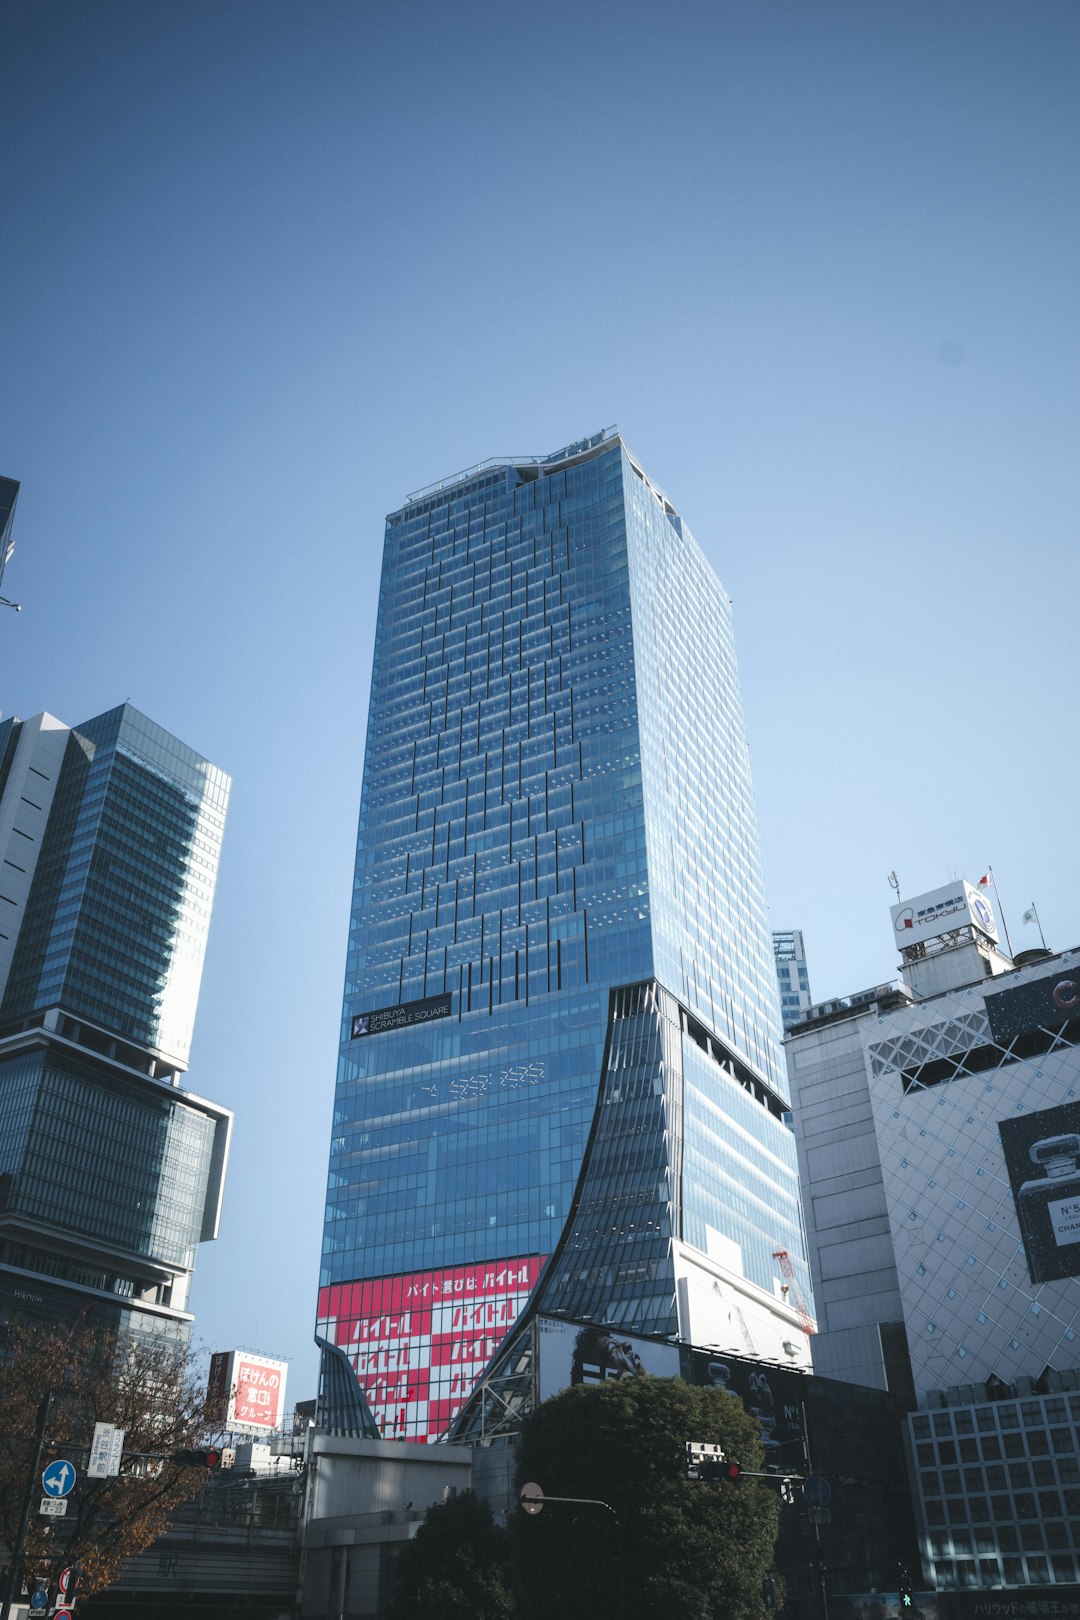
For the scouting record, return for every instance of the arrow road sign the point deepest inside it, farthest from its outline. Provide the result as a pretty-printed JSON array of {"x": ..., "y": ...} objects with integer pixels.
[
  {"x": 58, "y": 1478},
  {"x": 817, "y": 1490}
]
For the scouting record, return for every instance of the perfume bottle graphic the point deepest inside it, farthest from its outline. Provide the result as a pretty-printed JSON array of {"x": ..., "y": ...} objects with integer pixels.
[{"x": 1048, "y": 1209}]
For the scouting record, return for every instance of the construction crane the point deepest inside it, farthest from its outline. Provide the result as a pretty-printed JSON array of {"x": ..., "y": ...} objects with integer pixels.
[{"x": 790, "y": 1290}]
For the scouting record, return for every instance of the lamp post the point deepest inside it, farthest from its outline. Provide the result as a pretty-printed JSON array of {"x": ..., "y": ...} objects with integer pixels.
[{"x": 533, "y": 1499}]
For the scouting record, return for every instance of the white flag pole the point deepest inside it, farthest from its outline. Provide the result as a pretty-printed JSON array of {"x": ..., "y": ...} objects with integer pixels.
[{"x": 1001, "y": 908}]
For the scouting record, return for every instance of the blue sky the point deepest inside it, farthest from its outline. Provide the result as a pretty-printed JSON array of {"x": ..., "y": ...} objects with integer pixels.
[{"x": 266, "y": 267}]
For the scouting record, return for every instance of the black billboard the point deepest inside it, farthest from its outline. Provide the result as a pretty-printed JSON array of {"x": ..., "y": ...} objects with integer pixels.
[
  {"x": 400, "y": 1017},
  {"x": 773, "y": 1395},
  {"x": 1042, "y": 1156},
  {"x": 1045, "y": 1004}
]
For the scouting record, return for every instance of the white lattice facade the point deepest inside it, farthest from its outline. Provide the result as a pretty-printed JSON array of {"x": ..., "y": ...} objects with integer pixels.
[{"x": 903, "y": 1110}]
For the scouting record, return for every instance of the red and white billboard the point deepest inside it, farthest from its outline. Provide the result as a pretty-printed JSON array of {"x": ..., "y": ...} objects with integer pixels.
[
  {"x": 256, "y": 1390},
  {"x": 420, "y": 1341}
]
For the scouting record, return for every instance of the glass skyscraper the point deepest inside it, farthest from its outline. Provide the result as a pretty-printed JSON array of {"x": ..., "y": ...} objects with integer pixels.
[
  {"x": 560, "y": 1058},
  {"x": 792, "y": 976},
  {"x": 110, "y": 1173}
]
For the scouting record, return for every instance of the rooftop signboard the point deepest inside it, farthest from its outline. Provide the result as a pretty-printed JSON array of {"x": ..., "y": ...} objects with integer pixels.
[{"x": 928, "y": 916}]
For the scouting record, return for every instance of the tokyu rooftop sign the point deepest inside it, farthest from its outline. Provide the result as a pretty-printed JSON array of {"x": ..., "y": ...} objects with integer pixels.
[{"x": 940, "y": 911}]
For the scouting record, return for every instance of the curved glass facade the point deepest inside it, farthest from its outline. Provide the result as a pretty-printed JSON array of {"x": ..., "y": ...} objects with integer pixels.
[{"x": 556, "y": 802}]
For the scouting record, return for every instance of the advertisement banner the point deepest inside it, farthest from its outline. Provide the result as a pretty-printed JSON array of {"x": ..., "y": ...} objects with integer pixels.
[
  {"x": 773, "y": 1395},
  {"x": 1048, "y": 1003},
  {"x": 246, "y": 1392},
  {"x": 940, "y": 911},
  {"x": 572, "y": 1353},
  {"x": 257, "y": 1401},
  {"x": 420, "y": 1341},
  {"x": 1042, "y": 1156},
  {"x": 218, "y": 1384}
]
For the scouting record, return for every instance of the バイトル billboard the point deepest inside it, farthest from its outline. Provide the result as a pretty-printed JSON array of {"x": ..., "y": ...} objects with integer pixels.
[{"x": 420, "y": 1340}]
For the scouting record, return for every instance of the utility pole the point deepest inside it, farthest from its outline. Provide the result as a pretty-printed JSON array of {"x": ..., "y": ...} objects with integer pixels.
[
  {"x": 819, "y": 1556},
  {"x": 14, "y": 1590}
]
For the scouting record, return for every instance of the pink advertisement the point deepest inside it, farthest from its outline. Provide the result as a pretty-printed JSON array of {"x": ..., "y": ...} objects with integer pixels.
[
  {"x": 259, "y": 1398},
  {"x": 420, "y": 1341},
  {"x": 246, "y": 1392}
]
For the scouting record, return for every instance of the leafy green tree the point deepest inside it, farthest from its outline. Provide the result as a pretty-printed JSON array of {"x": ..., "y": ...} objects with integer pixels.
[
  {"x": 147, "y": 1389},
  {"x": 457, "y": 1568},
  {"x": 675, "y": 1546}
]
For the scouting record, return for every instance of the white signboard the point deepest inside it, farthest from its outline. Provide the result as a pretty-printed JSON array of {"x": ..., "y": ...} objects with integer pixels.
[
  {"x": 53, "y": 1507},
  {"x": 249, "y": 1390},
  {"x": 106, "y": 1449},
  {"x": 940, "y": 911}
]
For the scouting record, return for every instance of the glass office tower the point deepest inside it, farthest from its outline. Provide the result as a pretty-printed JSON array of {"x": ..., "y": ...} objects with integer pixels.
[
  {"x": 110, "y": 1173},
  {"x": 559, "y": 1058}
]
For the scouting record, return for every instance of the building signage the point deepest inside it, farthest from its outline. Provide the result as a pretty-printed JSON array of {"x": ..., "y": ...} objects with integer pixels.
[
  {"x": 773, "y": 1395},
  {"x": 252, "y": 1388},
  {"x": 573, "y": 1353},
  {"x": 1042, "y": 1156},
  {"x": 106, "y": 1450},
  {"x": 942, "y": 910},
  {"x": 1045, "y": 1004},
  {"x": 420, "y": 1341},
  {"x": 217, "y": 1386},
  {"x": 401, "y": 1017}
]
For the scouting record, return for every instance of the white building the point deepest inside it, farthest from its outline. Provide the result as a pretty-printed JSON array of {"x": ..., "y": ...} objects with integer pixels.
[{"x": 927, "y": 1114}]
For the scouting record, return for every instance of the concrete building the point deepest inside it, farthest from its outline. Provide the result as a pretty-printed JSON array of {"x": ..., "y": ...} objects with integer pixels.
[
  {"x": 938, "y": 1124},
  {"x": 111, "y": 1172}
]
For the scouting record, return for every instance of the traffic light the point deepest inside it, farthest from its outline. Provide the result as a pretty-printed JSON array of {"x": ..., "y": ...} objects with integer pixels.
[
  {"x": 903, "y": 1581},
  {"x": 197, "y": 1459},
  {"x": 722, "y": 1468}
]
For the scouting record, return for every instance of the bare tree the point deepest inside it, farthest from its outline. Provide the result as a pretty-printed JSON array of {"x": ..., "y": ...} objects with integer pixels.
[{"x": 145, "y": 1387}]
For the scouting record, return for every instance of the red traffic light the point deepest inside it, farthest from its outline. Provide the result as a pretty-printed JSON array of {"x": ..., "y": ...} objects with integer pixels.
[
  {"x": 717, "y": 1468},
  {"x": 197, "y": 1459}
]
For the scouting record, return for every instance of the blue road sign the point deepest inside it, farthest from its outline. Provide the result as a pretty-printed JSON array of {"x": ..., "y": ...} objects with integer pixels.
[
  {"x": 817, "y": 1490},
  {"x": 58, "y": 1478},
  {"x": 40, "y": 1600}
]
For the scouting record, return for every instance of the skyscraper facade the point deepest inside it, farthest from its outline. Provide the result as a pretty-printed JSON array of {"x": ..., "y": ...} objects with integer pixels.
[
  {"x": 110, "y": 1172},
  {"x": 559, "y": 1053},
  {"x": 792, "y": 976}
]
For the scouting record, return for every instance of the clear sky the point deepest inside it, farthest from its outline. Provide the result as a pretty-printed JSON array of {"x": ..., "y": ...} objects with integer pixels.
[{"x": 266, "y": 266}]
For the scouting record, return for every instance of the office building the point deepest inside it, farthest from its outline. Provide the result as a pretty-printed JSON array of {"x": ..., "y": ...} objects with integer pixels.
[
  {"x": 110, "y": 1171},
  {"x": 559, "y": 1061},
  {"x": 939, "y": 1137},
  {"x": 792, "y": 977}
]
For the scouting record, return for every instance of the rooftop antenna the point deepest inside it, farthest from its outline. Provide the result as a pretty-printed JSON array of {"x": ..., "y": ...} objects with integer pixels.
[{"x": 894, "y": 884}]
